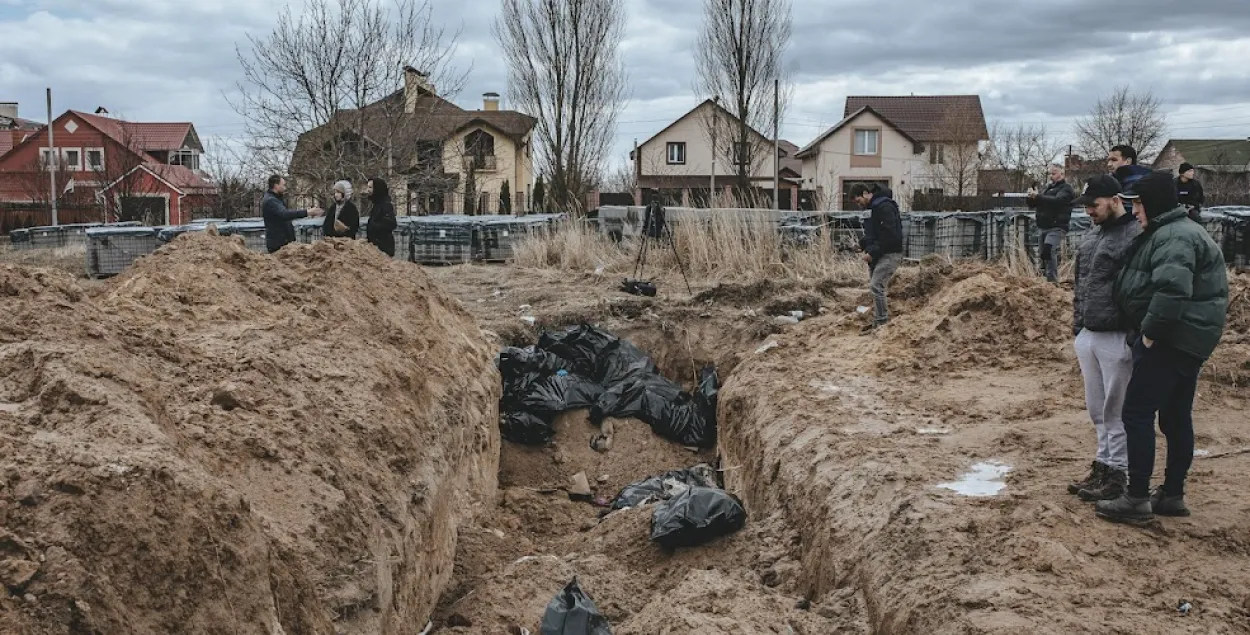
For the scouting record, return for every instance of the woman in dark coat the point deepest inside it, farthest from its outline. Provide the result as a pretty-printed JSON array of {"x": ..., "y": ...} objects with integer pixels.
[
  {"x": 381, "y": 228},
  {"x": 342, "y": 219}
]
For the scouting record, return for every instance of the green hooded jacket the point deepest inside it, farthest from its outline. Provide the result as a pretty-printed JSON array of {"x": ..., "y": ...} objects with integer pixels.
[{"x": 1174, "y": 289}]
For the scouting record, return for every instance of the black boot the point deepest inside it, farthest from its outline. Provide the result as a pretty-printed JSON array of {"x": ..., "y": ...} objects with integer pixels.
[
  {"x": 1095, "y": 477},
  {"x": 1164, "y": 504},
  {"x": 1114, "y": 484},
  {"x": 1125, "y": 509}
]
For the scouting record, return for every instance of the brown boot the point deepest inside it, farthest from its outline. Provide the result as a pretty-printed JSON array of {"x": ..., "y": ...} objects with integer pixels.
[
  {"x": 1114, "y": 484},
  {"x": 1095, "y": 477}
]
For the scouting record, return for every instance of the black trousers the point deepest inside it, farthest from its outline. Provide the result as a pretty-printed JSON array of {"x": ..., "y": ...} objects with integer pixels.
[{"x": 1164, "y": 383}]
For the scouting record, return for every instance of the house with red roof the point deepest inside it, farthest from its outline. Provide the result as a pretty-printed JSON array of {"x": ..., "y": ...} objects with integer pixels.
[{"x": 106, "y": 170}]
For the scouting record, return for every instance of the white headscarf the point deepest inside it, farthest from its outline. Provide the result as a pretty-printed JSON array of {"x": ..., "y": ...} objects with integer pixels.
[{"x": 345, "y": 187}]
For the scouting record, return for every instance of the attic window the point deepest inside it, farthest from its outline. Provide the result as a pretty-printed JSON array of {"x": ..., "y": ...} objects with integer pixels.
[
  {"x": 70, "y": 126},
  {"x": 186, "y": 158}
]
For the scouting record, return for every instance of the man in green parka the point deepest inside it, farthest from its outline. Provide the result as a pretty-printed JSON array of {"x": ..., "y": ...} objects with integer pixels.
[{"x": 1174, "y": 292}]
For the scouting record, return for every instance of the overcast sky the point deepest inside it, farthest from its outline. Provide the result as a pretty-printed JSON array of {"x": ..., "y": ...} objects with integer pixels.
[{"x": 1044, "y": 62}]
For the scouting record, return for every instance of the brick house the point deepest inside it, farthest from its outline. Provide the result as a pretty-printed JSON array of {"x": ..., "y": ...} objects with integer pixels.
[
  {"x": 107, "y": 170},
  {"x": 1221, "y": 165}
]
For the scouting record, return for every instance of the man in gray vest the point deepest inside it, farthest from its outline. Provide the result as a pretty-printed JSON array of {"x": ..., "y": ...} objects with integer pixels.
[{"x": 1102, "y": 334}]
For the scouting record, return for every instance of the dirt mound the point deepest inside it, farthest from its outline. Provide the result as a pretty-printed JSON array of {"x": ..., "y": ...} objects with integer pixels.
[
  {"x": 221, "y": 441},
  {"x": 989, "y": 319},
  {"x": 1230, "y": 364}
]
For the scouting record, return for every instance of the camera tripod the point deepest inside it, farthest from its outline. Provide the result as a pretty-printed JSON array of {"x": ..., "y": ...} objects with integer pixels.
[{"x": 654, "y": 229}]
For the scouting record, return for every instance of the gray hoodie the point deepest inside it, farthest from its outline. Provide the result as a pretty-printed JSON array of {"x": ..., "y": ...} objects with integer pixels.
[{"x": 1099, "y": 259}]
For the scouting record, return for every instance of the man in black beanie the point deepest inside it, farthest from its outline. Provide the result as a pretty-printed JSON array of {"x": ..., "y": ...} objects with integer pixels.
[
  {"x": 1174, "y": 294},
  {"x": 1189, "y": 190}
]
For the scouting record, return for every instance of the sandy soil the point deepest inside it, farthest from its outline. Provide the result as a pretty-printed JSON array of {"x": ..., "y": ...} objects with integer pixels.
[{"x": 223, "y": 442}]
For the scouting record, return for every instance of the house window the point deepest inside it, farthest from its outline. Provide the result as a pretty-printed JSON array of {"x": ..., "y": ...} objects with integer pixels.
[
  {"x": 47, "y": 159},
  {"x": 742, "y": 153},
  {"x": 186, "y": 158},
  {"x": 677, "y": 153},
  {"x": 72, "y": 158},
  {"x": 867, "y": 142},
  {"x": 937, "y": 154},
  {"x": 95, "y": 159}
]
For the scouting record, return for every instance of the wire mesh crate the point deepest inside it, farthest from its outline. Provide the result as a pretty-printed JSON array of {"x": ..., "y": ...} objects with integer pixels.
[
  {"x": 1236, "y": 238},
  {"x": 309, "y": 230},
  {"x": 963, "y": 235},
  {"x": 169, "y": 233},
  {"x": 921, "y": 234},
  {"x": 846, "y": 229},
  {"x": 1077, "y": 230},
  {"x": 253, "y": 233},
  {"x": 442, "y": 239},
  {"x": 499, "y": 237},
  {"x": 111, "y": 249},
  {"x": 1016, "y": 237},
  {"x": 46, "y": 237},
  {"x": 20, "y": 238}
]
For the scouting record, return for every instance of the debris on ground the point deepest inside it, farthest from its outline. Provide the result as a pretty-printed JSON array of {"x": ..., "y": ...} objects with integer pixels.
[
  {"x": 587, "y": 368},
  {"x": 572, "y": 612}
]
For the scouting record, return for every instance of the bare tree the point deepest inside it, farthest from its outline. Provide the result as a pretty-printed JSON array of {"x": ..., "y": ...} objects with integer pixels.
[
  {"x": 1123, "y": 117},
  {"x": 1023, "y": 152},
  {"x": 564, "y": 68},
  {"x": 622, "y": 178},
  {"x": 738, "y": 57},
  {"x": 337, "y": 67},
  {"x": 237, "y": 187},
  {"x": 956, "y": 163},
  {"x": 1225, "y": 181}
]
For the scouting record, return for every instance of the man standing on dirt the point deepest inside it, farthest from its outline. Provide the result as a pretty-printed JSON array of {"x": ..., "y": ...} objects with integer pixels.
[
  {"x": 1174, "y": 292},
  {"x": 279, "y": 230},
  {"x": 882, "y": 244},
  {"x": 1102, "y": 334},
  {"x": 1054, "y": 216}
]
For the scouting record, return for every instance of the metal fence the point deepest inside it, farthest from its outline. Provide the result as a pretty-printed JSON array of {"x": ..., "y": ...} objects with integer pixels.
[{"x": 111, "y": 249}]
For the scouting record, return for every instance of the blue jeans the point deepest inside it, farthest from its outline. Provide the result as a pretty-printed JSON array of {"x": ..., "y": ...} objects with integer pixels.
[{"x": 1164, "y": 381}]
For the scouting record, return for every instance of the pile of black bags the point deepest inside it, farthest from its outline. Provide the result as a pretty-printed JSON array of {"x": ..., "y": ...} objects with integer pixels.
[{"x": 584, "y": 367}]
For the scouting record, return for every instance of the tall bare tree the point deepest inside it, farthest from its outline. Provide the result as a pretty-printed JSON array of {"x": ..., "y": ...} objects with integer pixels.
[
  {"x": 738, "y": 57},
  {"x": 1023, "y": 152},
  {"x": 622, "y": 178},
  {"x": 1225, "y": 180},
  {"x": 564, "y": 68},
  {"x": 956, "y": 163},
  {"x": 320, "y": 68},
  {"x": 238, "y": 188},
  {"x": 1123, "y": 117}
]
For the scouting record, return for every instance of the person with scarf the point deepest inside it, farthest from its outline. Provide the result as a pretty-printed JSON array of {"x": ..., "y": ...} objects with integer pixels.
[
  {"x": 343, "y": 219},
  {"x": 382, "y": 223}
]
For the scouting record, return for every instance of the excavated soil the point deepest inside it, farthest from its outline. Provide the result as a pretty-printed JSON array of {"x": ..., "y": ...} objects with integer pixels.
[{"x": 223, "y": 442}]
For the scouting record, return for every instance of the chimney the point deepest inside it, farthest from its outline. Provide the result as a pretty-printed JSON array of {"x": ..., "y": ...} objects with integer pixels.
[
  {"x": 415, "y": 82},
  {"x": 8, "y": 109},
  {"x": 490, "y": 101}
]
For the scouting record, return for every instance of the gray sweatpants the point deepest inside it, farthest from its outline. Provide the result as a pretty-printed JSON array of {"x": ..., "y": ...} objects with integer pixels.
[
  {"x": 1107, "y": 365},
  {"x": 1050, "y": 245},
  {"x": 879, "y": 282}
]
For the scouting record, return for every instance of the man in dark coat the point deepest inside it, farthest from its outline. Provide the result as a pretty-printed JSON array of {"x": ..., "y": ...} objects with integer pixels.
[
  {"x": 279, "y": 228},
  {"x": 382, "y": 222},
  {"x": 1189, "y": 191},
  {"x": 1174, "y": 293},
  {"x": 882, "y": 244},
  {"x": 1054, "y": 216}
]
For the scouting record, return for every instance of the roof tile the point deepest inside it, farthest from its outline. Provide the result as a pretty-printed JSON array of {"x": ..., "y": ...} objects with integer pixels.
[{"x": 928, "y": 118}]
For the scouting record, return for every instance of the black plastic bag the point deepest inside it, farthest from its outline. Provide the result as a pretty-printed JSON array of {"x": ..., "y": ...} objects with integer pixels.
[
  {"x": 572, "y": 612},
  {"x": 670, "y": 411},
  {"x": 560, "y": 393},
  {"x": 622, "y": 362},
  {"x": 525, "y": 428},
  {"x": 580, "y": 346},
  {"x": 652, "y": 488},
  {"x": 696, "y": 516},
  {"x": 516, "y": 362}
]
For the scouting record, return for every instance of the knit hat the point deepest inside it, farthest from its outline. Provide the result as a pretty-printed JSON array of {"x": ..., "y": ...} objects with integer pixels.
[
  {"x": 345, "y": 187},
  {"x": 1156, "y": 192},
  {"x": 1185, "y": 167}
]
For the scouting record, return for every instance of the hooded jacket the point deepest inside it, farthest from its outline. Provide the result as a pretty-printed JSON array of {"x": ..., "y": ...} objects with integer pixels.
[
  {"x": 279, "y": 230},
  {"x": 1099, "y": 259},
  {"x": 1129, "y": 175},
  {"x": 883, "y": 233},
  {"x": 1174, "y": 289},
  {"x": 1054, "y": 206},
  {"x": 382, "y": 222},
  {"x": 349, "y": 215}
]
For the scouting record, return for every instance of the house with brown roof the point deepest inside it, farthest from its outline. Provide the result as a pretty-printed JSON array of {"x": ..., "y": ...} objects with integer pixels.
[
  {"x": 437, "y": 157},
  {"x": 106, "y": 170},
  {"x": 676, "y": 163},
  {"x": 909, "y": 144},
  {"x": 1221, "y": 165}
]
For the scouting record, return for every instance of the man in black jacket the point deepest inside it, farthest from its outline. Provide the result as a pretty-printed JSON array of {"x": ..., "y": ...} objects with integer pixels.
[
  {"x": 1054, "y": 216},
  {"x": 882, "y": 244},
  {"x": 279, "y": 230},
  {"x": 1189, "y": 191}
]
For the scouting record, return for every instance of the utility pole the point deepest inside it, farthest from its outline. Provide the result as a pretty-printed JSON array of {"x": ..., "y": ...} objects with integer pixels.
[
  {"x": 715, "y": 125},
  {"x": 776, "y": 144},
  {"x": 638, "y": 174},
  {"x": 55, "y": 159}
]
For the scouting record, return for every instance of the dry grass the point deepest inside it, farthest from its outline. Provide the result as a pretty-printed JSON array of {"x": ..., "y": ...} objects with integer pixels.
[
  {"x": 72, "y": 259},
  {"x": 726, "y": 248}
]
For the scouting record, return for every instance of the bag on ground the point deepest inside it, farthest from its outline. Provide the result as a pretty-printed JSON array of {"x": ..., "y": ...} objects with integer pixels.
[{"x": 572, "y": 612}]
